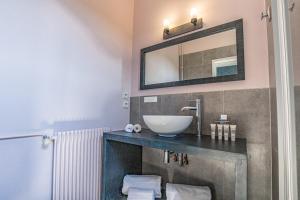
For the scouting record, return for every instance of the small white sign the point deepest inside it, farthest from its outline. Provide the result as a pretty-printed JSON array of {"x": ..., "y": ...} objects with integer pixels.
[
  {"x": 224, "y": 117},
  {"x": 152, "y": 99}
]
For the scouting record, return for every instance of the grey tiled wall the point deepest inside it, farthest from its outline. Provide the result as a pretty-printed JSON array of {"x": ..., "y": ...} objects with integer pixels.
[
  {"x": 200, "y": 171},
  {"x": 199, "y": 64},
  {"x": 249, "y": 109}
]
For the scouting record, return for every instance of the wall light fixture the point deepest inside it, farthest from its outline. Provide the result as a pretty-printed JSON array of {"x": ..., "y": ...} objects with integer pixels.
[
  {"x": 166, "y": 26},
  {"x": 195, "y": 24},
  {"x": 194, "y": 17}
]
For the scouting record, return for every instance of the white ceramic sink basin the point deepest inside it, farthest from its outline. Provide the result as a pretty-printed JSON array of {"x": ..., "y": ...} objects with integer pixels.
[{"x": 167, "y": 125}]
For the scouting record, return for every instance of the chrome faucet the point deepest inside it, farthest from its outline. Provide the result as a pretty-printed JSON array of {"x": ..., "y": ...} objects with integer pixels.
[{"x": 198, "y": 110}]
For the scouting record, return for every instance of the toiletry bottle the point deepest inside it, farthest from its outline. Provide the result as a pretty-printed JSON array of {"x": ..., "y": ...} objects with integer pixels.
[
  {"x": 226, "y": 132},
  {"x": 233, "y": 132},
  {"x": 220, "y": 131},
  {"x": 213, "y": 131}
]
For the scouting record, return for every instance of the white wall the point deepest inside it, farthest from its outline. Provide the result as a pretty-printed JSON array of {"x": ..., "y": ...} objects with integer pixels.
[
  {"x": 25, "y": 170},
  {"x": 162, "y": 65},
  {"x": 62, "y": 60}
]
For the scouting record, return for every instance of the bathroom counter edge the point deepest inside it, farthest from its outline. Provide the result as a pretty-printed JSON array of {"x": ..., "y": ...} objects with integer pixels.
[{"x": 185, "y": 143}]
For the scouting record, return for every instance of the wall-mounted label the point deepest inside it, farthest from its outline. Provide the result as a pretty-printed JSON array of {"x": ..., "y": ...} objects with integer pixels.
[
  {"x": 224, "y": 117},
  {"x": 152, "y": 99}
]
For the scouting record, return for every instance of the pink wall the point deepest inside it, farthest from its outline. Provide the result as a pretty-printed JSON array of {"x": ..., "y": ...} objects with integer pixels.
[
  {"x": 295, "y": 18},
  {"x": 148, "y": 18}
]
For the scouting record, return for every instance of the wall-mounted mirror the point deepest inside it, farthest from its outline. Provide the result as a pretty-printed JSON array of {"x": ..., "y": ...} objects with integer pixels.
[{"x": 208, "y": 56}]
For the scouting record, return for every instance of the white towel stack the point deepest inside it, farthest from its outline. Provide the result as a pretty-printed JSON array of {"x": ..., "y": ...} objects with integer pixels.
[
  {"x": 137, "y": 128},
  {"x": 142, "y": 185},
  {"x": 129, "y": 128},
  {"x": 184, "y": 192},
  {"x": 140, "y": 194}
]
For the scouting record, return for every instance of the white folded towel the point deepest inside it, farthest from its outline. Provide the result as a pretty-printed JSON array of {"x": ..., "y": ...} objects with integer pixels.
[
  {"x": 137, "y": 128},
  {"x": 129, "y": 128},
  {"x": 140, "y": 194},
  {"x": 184, "y": 192},
  {"x": 151, "y": 182}
]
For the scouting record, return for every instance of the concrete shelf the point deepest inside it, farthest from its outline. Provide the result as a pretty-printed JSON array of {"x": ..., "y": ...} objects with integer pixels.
[{"x": 122, "y": 154}]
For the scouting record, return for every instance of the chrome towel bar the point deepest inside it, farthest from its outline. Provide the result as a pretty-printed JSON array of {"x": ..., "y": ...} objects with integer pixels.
[
  {"x": 47, "y": 138},
  {"x": 22, "y": 137}
]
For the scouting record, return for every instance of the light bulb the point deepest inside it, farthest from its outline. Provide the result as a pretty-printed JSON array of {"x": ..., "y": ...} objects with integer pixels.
[
  {"x": 194, "y": 13},
  {"x": 194, "y": 17},
  {"x": 166, "y": 24}
]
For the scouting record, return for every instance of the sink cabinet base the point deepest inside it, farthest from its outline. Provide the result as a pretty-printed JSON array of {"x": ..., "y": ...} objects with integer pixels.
[{"x": 122, "y": 155}]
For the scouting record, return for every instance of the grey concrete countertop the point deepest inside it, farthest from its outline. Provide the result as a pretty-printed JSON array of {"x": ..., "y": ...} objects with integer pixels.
[{"x": 184, "y": 143}]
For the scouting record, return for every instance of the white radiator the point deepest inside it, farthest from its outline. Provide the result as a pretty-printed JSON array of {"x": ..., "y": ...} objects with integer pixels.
[{"x": 77, "y": 165}]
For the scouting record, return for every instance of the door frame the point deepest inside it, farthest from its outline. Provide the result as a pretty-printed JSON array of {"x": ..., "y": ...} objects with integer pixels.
[{"x": 287, "y": 157}]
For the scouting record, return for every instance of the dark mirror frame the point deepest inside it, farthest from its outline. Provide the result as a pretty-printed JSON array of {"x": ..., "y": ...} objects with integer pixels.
[{"x": 238, "y": 25}]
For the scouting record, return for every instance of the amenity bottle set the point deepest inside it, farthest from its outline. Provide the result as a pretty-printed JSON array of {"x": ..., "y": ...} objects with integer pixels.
[{"x": 224, "y": 129}]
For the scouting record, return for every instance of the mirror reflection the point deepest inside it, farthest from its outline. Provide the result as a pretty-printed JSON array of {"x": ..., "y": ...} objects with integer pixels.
[{"x": 211, "y": 56}]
